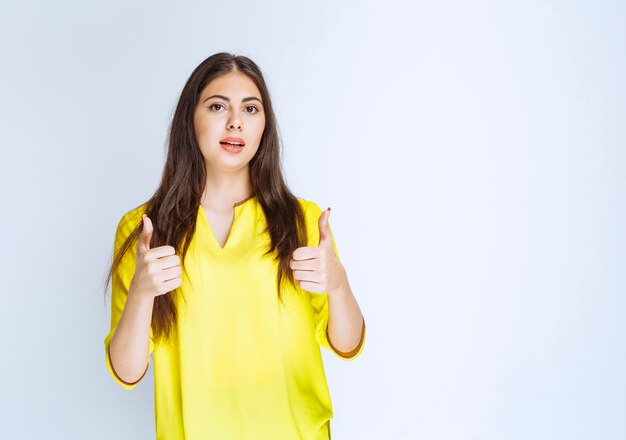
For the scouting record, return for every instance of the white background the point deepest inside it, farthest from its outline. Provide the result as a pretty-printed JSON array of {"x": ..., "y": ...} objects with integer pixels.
[{"x": 474, "y": 157}]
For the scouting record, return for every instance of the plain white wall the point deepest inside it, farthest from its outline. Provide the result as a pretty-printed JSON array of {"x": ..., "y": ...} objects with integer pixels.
[{"x": 473, "y": 154}]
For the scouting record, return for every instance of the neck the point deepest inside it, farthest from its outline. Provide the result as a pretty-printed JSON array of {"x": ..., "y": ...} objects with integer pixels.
[{"x": 223, "y": 190}]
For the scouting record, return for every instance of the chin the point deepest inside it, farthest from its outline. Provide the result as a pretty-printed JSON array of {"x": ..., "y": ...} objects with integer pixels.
[{"x": 228, "y": 165}]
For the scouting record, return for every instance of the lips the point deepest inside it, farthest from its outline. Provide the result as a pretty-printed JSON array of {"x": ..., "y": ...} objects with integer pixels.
[{"x": 233, "y": 141}]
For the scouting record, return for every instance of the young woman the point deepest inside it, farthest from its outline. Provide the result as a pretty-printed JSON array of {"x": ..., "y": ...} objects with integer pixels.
[{"x": 227, "y": 279}]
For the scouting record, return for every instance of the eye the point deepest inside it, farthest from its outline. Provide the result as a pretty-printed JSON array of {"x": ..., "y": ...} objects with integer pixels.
[
  {"x": 251, "y": 106},
  {"x": 213, "y": 105}
]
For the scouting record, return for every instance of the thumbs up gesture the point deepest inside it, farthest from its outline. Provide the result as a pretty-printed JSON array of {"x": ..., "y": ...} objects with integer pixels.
[
  {"x": 158, "y": 270},
  {"x": 316, "y": 268}
]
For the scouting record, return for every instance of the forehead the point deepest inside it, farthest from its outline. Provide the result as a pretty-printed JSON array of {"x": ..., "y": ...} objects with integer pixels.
[{"x": 234, "y": 85}]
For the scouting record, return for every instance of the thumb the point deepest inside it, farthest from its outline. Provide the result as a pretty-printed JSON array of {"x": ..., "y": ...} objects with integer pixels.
[
  {"x": 143, "y": 244},
  {"x": 326, "y": 238}
]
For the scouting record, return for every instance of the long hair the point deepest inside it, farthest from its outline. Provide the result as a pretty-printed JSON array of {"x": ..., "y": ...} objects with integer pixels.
[{"x": 176, "y": 201}]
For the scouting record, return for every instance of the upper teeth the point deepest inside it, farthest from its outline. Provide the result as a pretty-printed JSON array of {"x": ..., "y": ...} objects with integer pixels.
[{"x": 233, "y": 143}]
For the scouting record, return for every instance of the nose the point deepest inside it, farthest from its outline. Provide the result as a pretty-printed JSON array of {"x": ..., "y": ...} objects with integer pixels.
[{"x": 235, "y": 123}]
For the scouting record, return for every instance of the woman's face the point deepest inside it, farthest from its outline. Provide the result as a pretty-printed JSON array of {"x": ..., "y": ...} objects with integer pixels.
[{"x": 229, "y": 106}]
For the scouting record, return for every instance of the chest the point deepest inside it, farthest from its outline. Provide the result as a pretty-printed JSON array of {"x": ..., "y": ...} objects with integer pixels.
[{"x": 220, "y": 225}]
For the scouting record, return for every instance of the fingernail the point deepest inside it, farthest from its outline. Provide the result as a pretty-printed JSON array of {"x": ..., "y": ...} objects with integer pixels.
[{"x": 328, "y": 209}]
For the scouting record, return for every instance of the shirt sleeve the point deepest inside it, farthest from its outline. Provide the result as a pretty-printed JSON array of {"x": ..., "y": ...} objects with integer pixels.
[
  {"x": 319, "y": 301},
  {"x": 120, "y": 283}
]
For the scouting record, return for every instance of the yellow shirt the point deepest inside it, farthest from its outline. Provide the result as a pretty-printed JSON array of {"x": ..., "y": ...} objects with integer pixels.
[{"x": 241, "y": 365}]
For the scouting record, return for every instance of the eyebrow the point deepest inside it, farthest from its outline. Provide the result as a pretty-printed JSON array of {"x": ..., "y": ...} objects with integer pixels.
[{"x": 226, "y": 98}]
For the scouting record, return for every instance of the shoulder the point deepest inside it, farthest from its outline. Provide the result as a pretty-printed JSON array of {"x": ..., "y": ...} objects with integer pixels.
[
  {"x": 310, "y": 208},
  {"x": 312, "y": 213},
  {"x": 130, "y": 220},
  {"x": 133, "y": 215}
]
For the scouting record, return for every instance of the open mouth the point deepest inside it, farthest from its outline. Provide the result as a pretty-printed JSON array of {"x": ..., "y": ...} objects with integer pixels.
[{"x": 232, "y": 147}]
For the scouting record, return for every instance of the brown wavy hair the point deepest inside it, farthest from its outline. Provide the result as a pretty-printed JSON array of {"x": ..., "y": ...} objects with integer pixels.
[{"x": 174, "y": 206}]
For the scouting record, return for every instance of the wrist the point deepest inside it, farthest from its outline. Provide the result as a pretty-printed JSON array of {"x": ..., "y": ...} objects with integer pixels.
[
  {"x": 140, "y": 296},
  {"x": 342, "y": 288}
]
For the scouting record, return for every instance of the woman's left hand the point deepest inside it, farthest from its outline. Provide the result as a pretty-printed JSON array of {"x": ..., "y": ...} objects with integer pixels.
[{"x": 317, "y": 268}]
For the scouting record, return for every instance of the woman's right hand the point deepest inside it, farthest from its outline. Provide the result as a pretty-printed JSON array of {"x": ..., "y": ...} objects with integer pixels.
[{"x": 158, "y": 270}]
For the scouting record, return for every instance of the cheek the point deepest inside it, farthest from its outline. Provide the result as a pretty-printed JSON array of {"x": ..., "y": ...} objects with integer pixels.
[
  {"x": 252, "y": 152},
  {"x": 258, "y": 130},
  {"x": 207, "y": 131}
]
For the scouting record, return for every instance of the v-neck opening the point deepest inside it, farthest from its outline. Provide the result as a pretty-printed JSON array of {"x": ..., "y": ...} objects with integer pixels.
[{"x": 213, "y": 238}]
